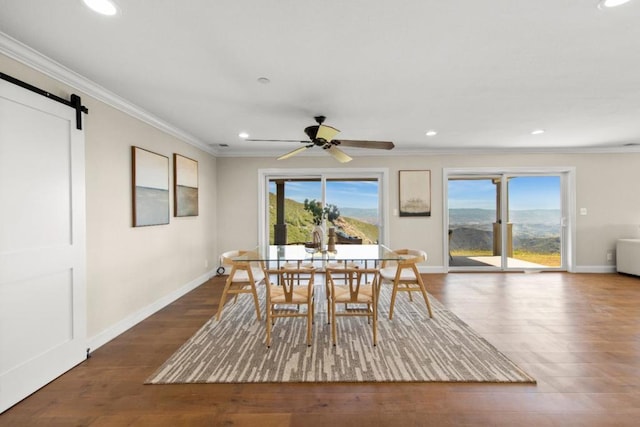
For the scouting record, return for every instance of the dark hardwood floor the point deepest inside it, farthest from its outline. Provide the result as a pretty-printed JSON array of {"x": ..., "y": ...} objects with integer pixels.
[{"x": 577, "y": 334}]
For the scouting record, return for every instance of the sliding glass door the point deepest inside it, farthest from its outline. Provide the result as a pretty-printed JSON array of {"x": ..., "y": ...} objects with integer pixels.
[{"x": 506, "y": 221}]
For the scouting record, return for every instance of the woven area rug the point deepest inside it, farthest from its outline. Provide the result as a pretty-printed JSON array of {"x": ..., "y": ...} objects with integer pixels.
[{"x": 411, "y": 348}]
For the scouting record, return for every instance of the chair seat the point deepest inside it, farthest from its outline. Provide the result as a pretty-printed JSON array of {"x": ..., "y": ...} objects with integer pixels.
[
  {"x": 294, "y": 266},
  {"x": 298, "y": 295},
  {"x": 340, "y": 264},
  {"x": 343, "y": 294},
  {"x": 389, "y": 273}
]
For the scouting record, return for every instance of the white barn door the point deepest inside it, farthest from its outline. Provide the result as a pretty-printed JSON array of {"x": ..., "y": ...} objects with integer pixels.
[{"x": 42, "y": 242}]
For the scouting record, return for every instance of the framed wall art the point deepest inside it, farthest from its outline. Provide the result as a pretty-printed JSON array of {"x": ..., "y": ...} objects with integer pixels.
[
  {"x": 185, "y": 186},
  {"x": 415, "y": 192},
  {"x": 150, "y": 182}
]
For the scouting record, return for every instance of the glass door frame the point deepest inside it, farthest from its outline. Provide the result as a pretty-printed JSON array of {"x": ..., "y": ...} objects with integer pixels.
[
  {"x": 568, "y": 211},
  {"x": 266, "y": 175}
]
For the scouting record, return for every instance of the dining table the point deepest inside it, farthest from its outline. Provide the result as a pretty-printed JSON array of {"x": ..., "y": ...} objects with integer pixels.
[{"x": 274, "y": 256}]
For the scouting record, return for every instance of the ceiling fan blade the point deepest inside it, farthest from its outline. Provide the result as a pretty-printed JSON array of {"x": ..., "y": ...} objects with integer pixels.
[
  {"x": 276, "y": 140},
  {"x": 294, "y": 152},
  {"x": 326, "y": 132},
  {"x": 383, "y": 145},
  {"x": 338, "y": 154}
]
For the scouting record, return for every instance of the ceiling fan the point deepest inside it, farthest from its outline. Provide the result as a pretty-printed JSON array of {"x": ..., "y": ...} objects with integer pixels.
[{"x": 323, "y": 136}]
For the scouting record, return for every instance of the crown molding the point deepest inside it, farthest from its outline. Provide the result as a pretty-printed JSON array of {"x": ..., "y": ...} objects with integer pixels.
[
  {"x": 234, "y": 152},
  {"x": 20, "y": 52}
]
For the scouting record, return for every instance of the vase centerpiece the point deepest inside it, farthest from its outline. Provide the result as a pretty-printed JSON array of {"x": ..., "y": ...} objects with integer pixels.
[{"x": 320, "y": 215}]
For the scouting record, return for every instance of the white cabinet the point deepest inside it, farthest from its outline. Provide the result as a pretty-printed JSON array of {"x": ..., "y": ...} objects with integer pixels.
[{"x": 628, "y": 256}]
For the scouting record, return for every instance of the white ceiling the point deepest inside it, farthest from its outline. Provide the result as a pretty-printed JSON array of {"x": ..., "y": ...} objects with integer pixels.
[{"x": 484, "y": 74}]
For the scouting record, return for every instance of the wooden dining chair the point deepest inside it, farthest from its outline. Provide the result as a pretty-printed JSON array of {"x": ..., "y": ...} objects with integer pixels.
[
  {"x": 351, "y": 288},
  {"x": 294, "y": 290},
  {"x": 404, "y": 276},
  {"x": 340, "y": 264},
  {"x": 243, "y": 278}
]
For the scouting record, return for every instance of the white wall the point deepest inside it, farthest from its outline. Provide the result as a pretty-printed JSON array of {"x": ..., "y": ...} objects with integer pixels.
[
  {"x": 132, "y": 272},
  {"x": 130, "y": 268},
  {"x": 606, "y": 184}
]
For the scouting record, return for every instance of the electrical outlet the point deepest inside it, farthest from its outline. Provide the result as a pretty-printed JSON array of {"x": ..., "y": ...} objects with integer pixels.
[{"x": 611, "y": 256}]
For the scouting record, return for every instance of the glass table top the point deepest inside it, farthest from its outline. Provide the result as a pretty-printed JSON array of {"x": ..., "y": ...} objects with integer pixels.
[{"x": 291, "y": 253}]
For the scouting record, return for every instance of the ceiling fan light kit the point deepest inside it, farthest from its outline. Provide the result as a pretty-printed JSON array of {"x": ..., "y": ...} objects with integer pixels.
[
  {"x": 605, "y": 4},
  {"x": 103, "y": 7},
  {"x": 321, "y": 135}
]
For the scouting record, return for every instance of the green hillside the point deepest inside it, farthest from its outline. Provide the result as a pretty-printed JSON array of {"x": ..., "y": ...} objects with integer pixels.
[{"x": 300, "y": 223}]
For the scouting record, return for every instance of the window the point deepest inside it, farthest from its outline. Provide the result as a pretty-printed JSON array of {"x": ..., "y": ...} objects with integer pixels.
[{"x": 359, "y": 196}]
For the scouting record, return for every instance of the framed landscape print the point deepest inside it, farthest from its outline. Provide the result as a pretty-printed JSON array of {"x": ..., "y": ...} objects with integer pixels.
[
  {"x": 150, "y": 182},
  {"x": 185, "y": 183},
  {"x": 415, "y": 193}
]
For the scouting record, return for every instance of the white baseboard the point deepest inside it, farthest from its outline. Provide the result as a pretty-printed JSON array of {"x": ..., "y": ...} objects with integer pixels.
[
  {"x": 594, "y": 269},
  {"x": 425, "y": 269},
  {"x": 128, "y": 322},
  {"x": 578, "y": 269}
]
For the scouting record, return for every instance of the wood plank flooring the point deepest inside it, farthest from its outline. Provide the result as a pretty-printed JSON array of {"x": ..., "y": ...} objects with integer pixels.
[{"x": 577, "y": 334}]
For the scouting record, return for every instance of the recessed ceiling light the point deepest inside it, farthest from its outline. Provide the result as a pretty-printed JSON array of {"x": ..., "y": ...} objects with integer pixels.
[
  {"x": 611, "y": 3},
  {"x": 431, "y": 132},
  {"x": 537, "y": 132},
  {"x": 243, "y": 135},
  {"x": 103, "y": 7}
]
